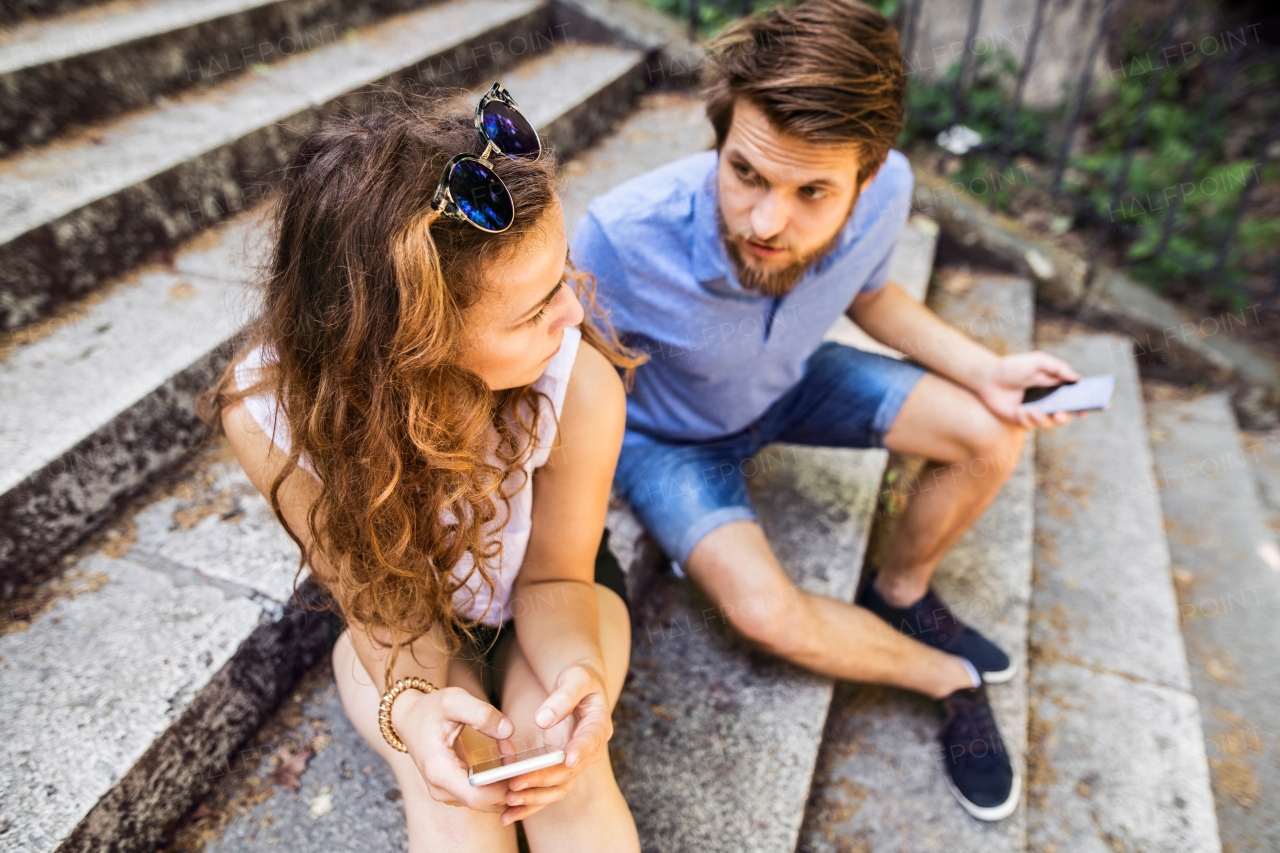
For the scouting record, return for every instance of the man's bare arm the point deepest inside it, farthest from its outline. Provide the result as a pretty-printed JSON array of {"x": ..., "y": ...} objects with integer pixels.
[{"x": 892, "y": 317}]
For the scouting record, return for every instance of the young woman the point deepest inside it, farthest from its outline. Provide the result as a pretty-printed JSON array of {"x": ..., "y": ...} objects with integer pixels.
[{"x": 436, "y": 422}]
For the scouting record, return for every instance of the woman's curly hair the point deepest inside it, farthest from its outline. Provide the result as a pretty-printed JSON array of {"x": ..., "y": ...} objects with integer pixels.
[{"x": 365, "y": 301}]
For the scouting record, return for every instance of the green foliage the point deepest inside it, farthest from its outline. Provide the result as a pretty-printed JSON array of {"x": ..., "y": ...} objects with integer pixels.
[
  {"x": 1202, "y": 208},
  {"x": 715, "y": 15},
  {"x": 930, "y": 104}
]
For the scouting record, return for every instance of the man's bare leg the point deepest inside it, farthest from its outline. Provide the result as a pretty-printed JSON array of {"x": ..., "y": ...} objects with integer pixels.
[
  {"x": 972, "y": 454},
  {"x": 737, "y": 569}
]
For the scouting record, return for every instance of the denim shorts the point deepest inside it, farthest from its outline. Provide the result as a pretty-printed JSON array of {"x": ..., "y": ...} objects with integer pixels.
[{"x": 681, "y": 491}]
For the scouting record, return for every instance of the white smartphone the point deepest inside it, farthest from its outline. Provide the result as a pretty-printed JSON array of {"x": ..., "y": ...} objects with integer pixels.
[
  {"x": 1085, "y": 395},
  {"x": 506, "y": 766}
]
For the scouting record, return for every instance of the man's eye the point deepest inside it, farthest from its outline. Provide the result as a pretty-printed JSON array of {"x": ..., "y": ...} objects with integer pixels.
[{"x": 812, "y": 192}]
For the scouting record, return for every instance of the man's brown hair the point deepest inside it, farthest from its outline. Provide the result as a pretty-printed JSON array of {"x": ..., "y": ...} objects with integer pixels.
[{"x": 828, "y": 71}]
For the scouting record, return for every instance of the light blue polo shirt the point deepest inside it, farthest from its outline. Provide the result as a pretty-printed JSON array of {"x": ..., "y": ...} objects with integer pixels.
[{"x": 719, "y": 355}]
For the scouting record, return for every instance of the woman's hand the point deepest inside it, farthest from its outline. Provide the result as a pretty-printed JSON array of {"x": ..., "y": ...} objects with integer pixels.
[
  {"x": 575, "y": 718},
  {"x": 1003, "y": 388},
  {"x": 430, "y": 726}
]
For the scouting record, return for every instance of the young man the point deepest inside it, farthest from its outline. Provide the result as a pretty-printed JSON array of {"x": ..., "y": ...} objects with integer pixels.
[{"x": 728, "y": 266}]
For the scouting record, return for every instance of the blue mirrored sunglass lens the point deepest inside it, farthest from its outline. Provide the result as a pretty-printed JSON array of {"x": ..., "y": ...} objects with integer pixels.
[
  {"x": 509, "y": 130},
  {"x": 480, "y": 195}
]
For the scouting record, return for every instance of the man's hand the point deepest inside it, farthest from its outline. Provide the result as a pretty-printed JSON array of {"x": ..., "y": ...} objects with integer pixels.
[{"x": 1011, "y": 375}]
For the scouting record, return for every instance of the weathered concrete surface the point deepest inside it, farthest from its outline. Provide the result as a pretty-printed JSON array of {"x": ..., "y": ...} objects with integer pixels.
[
  {"x": 99, "y": 202},
  {"x": 1123, "y": 765},
  {"x": 879, "y": 782},
  {"x": 16, "y": 10},
  {"x": 671, "y": 60},
  {"x": 348, "y": 799},
  {"x": 1118, "y": 757},
  {"x": 663, "y": 127},
  {"x": 87, "y": 688},
  {"x": 716, "y": 742},
  {"x": 1227, "y": 574},
  {"x": 574, "y": 93},
  {"x": 137, "y": 672},
  {"x": 1264, "y": 448},
  {"x": 103, "y": 60},
  {"x": 1100, "y": 564},
  {"x": 71, "y": 456},
  {"x": 97, "y": 406}
]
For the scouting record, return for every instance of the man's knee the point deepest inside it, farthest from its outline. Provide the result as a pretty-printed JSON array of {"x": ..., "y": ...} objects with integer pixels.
[
  {"x": 997, "y": 443},
  {"x": 773, "y": 619}
]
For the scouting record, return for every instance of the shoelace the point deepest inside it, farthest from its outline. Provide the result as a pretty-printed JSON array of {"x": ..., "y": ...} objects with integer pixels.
[{"x": 970, "y": 721}]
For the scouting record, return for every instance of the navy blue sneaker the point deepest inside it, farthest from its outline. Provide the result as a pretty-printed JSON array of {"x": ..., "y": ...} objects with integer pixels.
[
  {"x": 978, "y": 770},
  {"x": 930, "y": 621}
]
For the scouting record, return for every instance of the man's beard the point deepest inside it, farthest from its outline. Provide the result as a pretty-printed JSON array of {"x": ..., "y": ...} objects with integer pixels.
[{"x": 776, "y": 283}]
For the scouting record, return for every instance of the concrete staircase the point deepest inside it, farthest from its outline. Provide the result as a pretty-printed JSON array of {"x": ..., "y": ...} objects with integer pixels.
[
  {"x": 1226, "y": 572},
  {"x": 152, "y": 655},
  {"x": 1119, "y": 761},
  {"x": 879, "y": 781}
]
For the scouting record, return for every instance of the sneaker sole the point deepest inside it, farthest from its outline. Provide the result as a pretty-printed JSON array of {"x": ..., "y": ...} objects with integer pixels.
[
  {"x": 988, "y": 813},
  {"x": 1000, "y": 677}
]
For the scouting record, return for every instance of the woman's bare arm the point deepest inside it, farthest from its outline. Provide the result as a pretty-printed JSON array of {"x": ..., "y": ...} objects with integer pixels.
[{"x": 554, "y": 599}]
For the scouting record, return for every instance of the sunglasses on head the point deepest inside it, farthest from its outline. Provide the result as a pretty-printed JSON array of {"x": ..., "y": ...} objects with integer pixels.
[{"x": 470, "y": 191}]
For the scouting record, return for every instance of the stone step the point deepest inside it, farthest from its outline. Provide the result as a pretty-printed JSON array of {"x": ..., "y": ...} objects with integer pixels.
[
  {"x": 18, "y": 10},
  {"x": 879, "y": 781},
  {"x": 103, "y": 60},
  {"x": 1118, "y": 760},
  {"x": 1264, "y": 448},
  {"x": 112, "y": 193},
  {"x": 1227, "y": 575},
  {"x": 347, "y": 798},
  {"x": 130, "y": 679},
  {"x": 103, "y": 399}
]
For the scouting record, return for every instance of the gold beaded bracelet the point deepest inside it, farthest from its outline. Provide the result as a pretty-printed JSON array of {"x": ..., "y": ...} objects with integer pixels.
[{"x": 384, "y": 709}]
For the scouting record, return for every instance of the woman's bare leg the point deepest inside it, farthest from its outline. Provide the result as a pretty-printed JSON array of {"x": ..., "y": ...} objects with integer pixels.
[
  {"x": 594, "y": 816},
  {"x": 433, "y": 827}
]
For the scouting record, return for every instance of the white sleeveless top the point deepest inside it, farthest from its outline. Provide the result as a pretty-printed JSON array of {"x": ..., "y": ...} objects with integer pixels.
[{"x": 472, "y": 600}]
